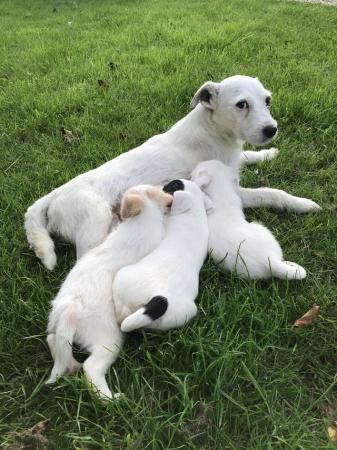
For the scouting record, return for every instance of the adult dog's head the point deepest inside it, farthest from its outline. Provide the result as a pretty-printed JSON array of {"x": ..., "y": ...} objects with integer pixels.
[{"x": 239, "y": 107}]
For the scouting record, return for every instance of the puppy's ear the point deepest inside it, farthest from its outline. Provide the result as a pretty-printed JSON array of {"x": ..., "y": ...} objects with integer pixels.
[
  {"x": 157, "y": 194},
  {"x": 182, "y": 202},
  {"x": 209, "y": 205},
  {"x": 202, "y": 179},
  {"x": 206, "y": 95},
  {"x": 132, "y": 205}
]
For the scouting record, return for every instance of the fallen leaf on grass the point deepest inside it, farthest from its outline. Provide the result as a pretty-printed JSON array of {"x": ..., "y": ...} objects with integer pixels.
[
  {"x": 103, "y": 83},
  {"x": 112, "y": 65},
  {"x": 32, "y": 438},
  {"x": 332, "y": 432},
  {"x": 202, "y": 421},
  {"x": 68, "y": 136},
  {"x": 40, "y": 427},
  {"x": 308, "y": 318}
]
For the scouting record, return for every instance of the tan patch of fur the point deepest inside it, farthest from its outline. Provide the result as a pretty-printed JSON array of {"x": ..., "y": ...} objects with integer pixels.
[
  {"x": 156, "y": 193},
  {"x": 132, "y": 205}
]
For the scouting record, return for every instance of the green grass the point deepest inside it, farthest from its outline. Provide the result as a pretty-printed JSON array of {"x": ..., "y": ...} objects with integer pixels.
[{"x": 238, "y": 376}]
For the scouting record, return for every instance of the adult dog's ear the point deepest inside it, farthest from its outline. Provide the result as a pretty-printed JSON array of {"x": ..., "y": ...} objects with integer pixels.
[
  {"x": 132, "y": 205},
  {"x": 202, "y": 179},
  {"x": 182, "y": 202},
  {"x": 207, "y": 95}
]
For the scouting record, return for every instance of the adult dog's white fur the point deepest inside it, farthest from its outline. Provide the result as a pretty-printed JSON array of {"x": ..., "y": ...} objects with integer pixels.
[
  {"x": 83, "y": 311},
  {"x": 248, "y": 249},
  {"x": 159, "y": 291},
  {"x": 226, "y": 115}
]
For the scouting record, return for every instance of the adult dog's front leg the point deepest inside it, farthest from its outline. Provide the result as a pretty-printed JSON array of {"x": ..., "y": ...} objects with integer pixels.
[
  {"x": 275, "y": 198},
  {"x": 251, "y": 157}
]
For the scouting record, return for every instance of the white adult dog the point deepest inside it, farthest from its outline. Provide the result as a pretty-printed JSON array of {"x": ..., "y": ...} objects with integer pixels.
[
  {"x": 83, "y": 311},
  {"x": 226, "y": 115},
  {"x": 248, "y": 249},
  {"x": 159, "y": 291}
]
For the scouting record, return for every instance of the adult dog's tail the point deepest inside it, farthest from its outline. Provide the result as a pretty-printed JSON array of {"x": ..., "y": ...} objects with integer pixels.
[
  {"x": 37, "y": 233},
  {"x": 143, "y": 317},
  {"x": 62, "y": 328}
]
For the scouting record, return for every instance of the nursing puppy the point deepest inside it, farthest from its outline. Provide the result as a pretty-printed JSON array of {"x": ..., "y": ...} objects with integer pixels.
[
  {"x": 82, "y": 311},
  {"x": 225, "y": 116},
  {"x": 248, "y": 249},
  {"x": 159, "y": 291}
]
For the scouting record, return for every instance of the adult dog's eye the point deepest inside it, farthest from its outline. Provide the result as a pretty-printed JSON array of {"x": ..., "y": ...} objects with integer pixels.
[
  {"x": 268, "y": 101},
  {"x": 242, "y": 104}
]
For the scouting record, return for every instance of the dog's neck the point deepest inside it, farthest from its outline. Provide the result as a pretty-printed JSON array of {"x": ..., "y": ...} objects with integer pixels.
[{"x": 198, "y": 132}]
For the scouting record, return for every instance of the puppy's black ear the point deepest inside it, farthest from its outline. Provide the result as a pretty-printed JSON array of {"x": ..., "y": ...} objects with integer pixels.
[
  {"x": 173, "y": 186},
  {"x": 206, "y": 95}
]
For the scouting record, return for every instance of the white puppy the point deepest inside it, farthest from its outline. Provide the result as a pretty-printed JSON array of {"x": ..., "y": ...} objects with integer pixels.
[
  {"x": 82, "y": 311},
  {"x": 248, "y": 249},
  {"x": 162, "y": 287},
  {"x": 226, "y": 115}
]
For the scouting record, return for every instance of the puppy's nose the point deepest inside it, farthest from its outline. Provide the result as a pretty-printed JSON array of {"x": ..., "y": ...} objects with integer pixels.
[
  {"x": 269, "y": 131},
  {"x": 172, "y": 186}
]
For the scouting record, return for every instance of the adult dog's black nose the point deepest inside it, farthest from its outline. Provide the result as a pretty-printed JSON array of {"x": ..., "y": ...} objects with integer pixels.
[
  {"x": 172, "y": 186},
  {"x": 269, "y": 131}
]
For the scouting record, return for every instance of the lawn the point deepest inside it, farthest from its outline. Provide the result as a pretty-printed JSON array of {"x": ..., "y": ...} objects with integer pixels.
[{"x": 239, "y": 376}]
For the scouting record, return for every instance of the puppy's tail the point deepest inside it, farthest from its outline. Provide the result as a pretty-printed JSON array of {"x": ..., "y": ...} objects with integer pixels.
[
  {"x": 143, "y": 317},
  {"x": 37, "y": 233},
  {"x": 287, "y": 270},
  {"x": 62, "y": 328}
]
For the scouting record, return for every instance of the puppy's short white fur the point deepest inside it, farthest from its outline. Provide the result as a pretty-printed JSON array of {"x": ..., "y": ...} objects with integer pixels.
[
  {"x": 82, "y": 311},
  {"x": 248, "y": 249},
  {"x": 226, "y": 115},
  {"x": 159, "y": 291}
]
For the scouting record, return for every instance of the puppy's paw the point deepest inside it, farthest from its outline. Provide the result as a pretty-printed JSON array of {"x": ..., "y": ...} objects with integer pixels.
[{"x": 269, "y": 154}]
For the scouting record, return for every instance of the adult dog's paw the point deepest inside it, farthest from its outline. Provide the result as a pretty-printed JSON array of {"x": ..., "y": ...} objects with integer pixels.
[
  {"x": 304, "y": 205},
  {"x": 269, "y": 154}
]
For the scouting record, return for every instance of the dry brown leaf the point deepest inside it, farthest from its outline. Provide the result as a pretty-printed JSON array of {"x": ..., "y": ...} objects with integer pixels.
[
  {"x": 112, "y": 65},
  {"x": 40, "y": 427},
  {"x": 308, "y": 318},
  {"x": 103, "y": 83},
  {"x": 332, "y": 432},
  {"x": 68, "y": 136},
  {"x": 32, "y": 438}
]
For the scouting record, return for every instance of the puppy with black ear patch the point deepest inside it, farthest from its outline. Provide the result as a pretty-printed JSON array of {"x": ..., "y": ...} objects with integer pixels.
[
  {"x": 160, "y": 290},
  {"x": 248, "y": 249},
  {"x": 83, "y": 311}
]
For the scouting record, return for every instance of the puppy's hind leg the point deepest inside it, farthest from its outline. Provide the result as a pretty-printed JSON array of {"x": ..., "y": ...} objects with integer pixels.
[
  {"x": 103, "y": 354},
  {"x": 73, "y": 365}
]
